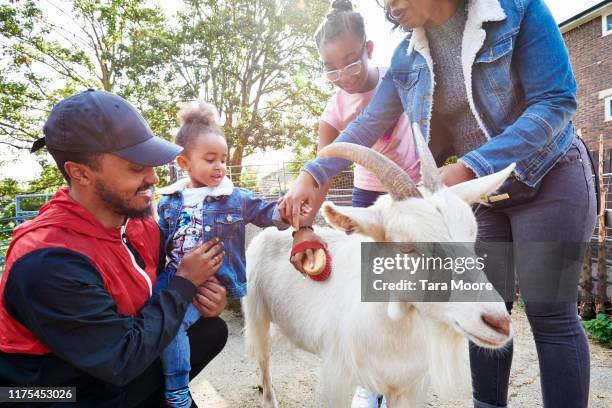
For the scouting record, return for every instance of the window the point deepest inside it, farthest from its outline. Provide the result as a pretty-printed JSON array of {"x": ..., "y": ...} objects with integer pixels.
[
  {"x": 606, "y": 95},
  {"x": 606, "y": 24}
]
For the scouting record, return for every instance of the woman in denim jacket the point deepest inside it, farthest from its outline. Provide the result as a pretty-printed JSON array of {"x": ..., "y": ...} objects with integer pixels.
[{"x": 490, "y": 82}]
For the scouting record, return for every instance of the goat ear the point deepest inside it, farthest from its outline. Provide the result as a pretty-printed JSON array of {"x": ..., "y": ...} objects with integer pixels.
[
  {"x": 365, "y": 221},
  {"x": 474, "y": 191}
]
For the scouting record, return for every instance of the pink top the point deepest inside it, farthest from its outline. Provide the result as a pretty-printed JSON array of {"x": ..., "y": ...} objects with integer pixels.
[{"x": 397, "y": 144}]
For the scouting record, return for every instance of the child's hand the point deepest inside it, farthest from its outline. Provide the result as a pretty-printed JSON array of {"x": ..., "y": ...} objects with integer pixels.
[
  {"x": 304, "y": 211},
  {"x": 202, "y": 262}
]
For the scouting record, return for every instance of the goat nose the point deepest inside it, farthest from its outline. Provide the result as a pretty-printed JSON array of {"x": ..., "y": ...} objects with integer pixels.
[{"x": 500, "y": 324}]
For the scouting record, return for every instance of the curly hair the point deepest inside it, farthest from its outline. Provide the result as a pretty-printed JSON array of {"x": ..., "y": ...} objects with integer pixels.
[{"x": 196, "y": 119}]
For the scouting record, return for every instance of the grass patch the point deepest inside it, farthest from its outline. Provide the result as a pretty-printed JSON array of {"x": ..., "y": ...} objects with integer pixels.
[{"x": 600, "y": 329}]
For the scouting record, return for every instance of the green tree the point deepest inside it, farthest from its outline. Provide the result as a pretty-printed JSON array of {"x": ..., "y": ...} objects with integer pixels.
[
  {"x": 44, "y": 60},
  {"x": 254, "y": 60},
  {"x": 248, "y": 178},
  {"x": 49, "y": 181},
  {"x": 9, "y": 188}
]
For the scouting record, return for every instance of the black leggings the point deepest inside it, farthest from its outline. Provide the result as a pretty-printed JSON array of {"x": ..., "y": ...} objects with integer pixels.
[{"x": 563, "y": 210}]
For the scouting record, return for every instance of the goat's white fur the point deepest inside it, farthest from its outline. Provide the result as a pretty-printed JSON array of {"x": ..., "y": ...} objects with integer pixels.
[{"x": 398, "y": 348}]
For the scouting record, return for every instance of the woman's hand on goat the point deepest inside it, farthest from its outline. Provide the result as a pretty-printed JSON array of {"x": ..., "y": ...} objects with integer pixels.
[
  {"x": 456, "y": 173},
  {"x": 297, "y": 259},
  {"x": 300, "y": 197},
  {"x": 211, "y": 298}
]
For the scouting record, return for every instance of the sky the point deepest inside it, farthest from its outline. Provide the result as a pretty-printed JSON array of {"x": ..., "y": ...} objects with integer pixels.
[{"x": 24, "y": 167}]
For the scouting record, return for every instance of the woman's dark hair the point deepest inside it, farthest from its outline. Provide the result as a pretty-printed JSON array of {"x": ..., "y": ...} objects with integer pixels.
[
  {"x": 196, "y": 119},
  {"x": 340, "y": 20}
]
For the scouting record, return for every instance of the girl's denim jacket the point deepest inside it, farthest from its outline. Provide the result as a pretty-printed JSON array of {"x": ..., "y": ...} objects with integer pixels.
[
  {"x": 519, "y": 84},
  {"x": 224, "y": 216}
]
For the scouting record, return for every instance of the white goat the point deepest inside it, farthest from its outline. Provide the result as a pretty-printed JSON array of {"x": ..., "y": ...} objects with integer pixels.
[{"x": 395, "y": 348}]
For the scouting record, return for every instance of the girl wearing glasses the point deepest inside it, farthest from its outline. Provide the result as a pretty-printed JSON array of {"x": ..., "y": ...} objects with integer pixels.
[
  {"x": 490, "y": 81},
  {"x": 345, "y": 55}
]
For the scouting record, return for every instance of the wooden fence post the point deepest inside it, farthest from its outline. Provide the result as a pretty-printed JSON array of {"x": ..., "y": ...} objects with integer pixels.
[{"x": 602, "y": 267}]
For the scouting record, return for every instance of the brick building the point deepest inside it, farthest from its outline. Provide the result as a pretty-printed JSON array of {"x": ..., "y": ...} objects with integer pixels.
[{"x": 588, "y": 36}]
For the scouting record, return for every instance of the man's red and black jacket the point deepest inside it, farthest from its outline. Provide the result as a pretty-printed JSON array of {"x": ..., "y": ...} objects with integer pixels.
[{"x": 75, "y": 299}]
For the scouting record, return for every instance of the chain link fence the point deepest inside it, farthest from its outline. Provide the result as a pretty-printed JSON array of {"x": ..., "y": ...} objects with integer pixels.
[
  {"x": 26, "y": 207},
  {"x": 271, "y": 181}
]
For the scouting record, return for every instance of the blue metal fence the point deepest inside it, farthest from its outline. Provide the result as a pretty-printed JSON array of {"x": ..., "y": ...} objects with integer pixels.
[{"x": 21, "y": 215}]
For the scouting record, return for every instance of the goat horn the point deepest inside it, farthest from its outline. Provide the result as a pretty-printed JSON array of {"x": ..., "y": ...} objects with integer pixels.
[
  {"x": 429, "y": 170},
  {"x": 397, "y": 182}
]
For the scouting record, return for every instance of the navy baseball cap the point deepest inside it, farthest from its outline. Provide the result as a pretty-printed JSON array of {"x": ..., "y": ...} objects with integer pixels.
[{"x": 98, "y": 121}]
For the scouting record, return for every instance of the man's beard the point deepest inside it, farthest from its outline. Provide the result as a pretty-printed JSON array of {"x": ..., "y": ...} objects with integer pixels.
[{"x": 118, "y": 205}]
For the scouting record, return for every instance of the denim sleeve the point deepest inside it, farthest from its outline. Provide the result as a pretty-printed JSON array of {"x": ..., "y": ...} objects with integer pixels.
[
  {"x": 543, "y": 66},
  {"x": 261, "y": 212},
  {"x": 382, "y": 111},
  {"x": 164, "y": 228}
]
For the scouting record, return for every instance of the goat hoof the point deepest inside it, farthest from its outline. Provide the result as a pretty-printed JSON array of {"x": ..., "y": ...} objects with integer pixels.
[{"x": 270, "y": 404}]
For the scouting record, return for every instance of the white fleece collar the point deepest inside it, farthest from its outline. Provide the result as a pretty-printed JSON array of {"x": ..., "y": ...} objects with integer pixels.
[
  {"x": 478, "y": 13},
  {"x": 225, "y": 188}
]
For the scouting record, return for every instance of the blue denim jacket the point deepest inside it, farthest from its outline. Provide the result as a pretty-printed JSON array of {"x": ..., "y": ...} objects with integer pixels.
[
  {"x": 224, "y": 217},
  {"x": 519, "y": 83}
]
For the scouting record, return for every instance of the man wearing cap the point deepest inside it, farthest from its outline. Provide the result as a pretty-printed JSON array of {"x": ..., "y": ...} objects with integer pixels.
[{"x": 75, "y": 297}]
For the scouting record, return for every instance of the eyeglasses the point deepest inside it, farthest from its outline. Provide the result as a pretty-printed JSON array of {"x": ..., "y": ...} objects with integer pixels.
[{"x": 351, "y": 69}]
